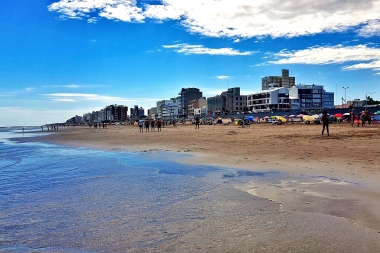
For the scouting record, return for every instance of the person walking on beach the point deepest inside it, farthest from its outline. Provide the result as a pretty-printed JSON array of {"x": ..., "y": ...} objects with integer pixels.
[
  {"x": 152, "y": 125},
  {"x": 159, "y": 125},
  {"x": 196, "y": 122},
  {"x": 325, "y": 122},
  {"x": 141, "y": 122},
  {"x": 147, "y": 123}
]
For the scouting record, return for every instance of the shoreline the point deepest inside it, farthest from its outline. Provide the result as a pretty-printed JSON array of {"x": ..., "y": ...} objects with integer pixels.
[{"x": 340, "y": 173}]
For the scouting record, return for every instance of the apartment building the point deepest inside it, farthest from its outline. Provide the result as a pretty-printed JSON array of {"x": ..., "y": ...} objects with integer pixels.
[
  {"x": 136, "y": 112},
  {"x": 230, "y": 101},
  {"x": 197, "y": 105},
  {"x": 269, "y": 100},
  {"x": 186, "y": 95},
  {"x": 271, "y": 82},
  {"x": 310, "y": 97}
]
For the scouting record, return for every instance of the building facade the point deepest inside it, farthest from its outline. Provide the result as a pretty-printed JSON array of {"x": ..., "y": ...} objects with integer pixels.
[
  {"x": 186, "y": 95},
  {"x": 136, "y": 112},
  {"x": 276, "y": 99},
  {"x": 271, "y": 82},
  {"x": 230, "y": 101},
  {"x": 168, "y": 109},
  {"x": 310, "y": 97},
  {"x": 198, "y": 105}
]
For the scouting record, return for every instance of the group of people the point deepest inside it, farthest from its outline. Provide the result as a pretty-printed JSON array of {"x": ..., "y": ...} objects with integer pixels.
[
  {"x": 361, "y": 118},
  {"x": 149, "y": 123}
]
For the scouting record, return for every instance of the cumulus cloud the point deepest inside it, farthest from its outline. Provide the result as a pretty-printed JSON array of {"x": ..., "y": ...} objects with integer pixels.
[
  {"x": 237, "y": 18},
  {"x": 200, "y": 49},
  {"x": 368, "y": 57},
  {"x": 80, "y": 97},
  {"x": 124, "y": 10},
  {"x": 372, "y": 28},
  {"x": 87, "y": 97},
  {"x": 223, "y": 77}
]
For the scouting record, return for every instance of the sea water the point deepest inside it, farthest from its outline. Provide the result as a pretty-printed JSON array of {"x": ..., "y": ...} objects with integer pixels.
[{"x": 60, "y": 199}]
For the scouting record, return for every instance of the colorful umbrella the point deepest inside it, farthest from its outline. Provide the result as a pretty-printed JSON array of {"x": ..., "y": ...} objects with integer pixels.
[
  {"x": 338, "y": 115},
  {"x": 307, "y": 118}
]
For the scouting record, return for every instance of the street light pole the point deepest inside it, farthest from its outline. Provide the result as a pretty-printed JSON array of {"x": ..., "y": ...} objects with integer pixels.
[
  {"x": 371, "y": 94},
  {"x": 345, "y": 97}
]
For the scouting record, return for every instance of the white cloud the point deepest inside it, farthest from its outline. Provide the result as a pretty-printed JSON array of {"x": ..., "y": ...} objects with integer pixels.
[
  {"x": 78, "y": 97},
  {"x": 84, "y": 97},
  {"x": 29, "y": 89},
  {"x": 124, "y": 10},
  {"x": 20, "y": 116},
  {"x": 238, "y": 18},
  {"x": 369, "y": 57},
  {"x": 64, "y": 100},
  {"x": 236, "y": 41},
  {"x": 370, "y": 29},
  {"x": 73, "y": 86},
  {"x": 200, "y": 49},
  {"x": 223, "y": 77}
]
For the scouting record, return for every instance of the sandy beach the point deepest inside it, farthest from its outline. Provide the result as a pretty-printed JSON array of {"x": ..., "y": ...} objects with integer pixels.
[{"x": 335, "y": 175}]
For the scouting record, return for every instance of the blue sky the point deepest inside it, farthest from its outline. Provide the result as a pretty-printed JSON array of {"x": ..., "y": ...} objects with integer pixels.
[{"x": 64, "y": 58}]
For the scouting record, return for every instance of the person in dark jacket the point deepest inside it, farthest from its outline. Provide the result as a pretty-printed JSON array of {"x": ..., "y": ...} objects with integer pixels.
[{"x": 325, "y": 122}]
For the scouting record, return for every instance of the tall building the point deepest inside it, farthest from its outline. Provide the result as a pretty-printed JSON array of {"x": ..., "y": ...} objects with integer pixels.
[
  {"x": 168, "y": 109},
  {"x": 198, "y": 105},
  {"x": 310, "y": 97},
  {"x": 271, "y": 82},
  {"x": 136, "y": 112},
  {"x": 229, "y": 101},
  {"x": 187, "y": 94},
  {"x": 269, "y": 100},
  {"x": 115, "y": 113}
]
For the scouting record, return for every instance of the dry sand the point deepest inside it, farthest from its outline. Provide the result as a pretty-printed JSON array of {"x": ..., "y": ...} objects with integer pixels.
[{"x": 336, "y": 175}]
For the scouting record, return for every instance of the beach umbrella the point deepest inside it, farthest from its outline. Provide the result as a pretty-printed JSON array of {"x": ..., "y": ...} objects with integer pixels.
[
  {"x": 266, "y": 117},
  {"x": 338, "y": 115},
  {"x": 315, "y": 116},
  {"x": 292, "y": 116},
  {"x": 281, "y": 118},
  {"x": 307, "y": 118},
  {"x": 273, "y": 117},
  {"x": 378, "y": 112},
  {"x": 346, "y": 114},
  {"x": 300, "y": 115}
]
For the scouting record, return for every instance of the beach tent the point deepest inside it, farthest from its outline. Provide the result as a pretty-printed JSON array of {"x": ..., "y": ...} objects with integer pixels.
[
  {"x": 308, "y": 118},
  {"x": 250, "y": 118},
  {"x": 219, "y": 121}
]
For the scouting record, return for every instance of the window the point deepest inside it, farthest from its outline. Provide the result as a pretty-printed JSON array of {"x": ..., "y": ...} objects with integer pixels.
[{"x": 237, "y": 108}]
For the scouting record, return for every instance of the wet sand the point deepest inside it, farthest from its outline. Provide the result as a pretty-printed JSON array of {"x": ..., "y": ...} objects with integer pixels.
[{"x": 335, "y": 175}]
